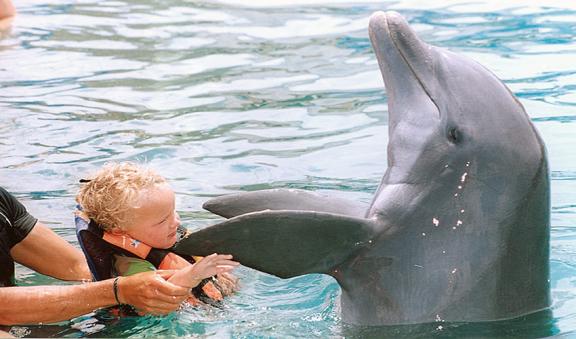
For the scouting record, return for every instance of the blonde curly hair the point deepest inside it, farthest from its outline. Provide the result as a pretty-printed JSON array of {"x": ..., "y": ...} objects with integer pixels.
[{"x": 115, "y": 189}]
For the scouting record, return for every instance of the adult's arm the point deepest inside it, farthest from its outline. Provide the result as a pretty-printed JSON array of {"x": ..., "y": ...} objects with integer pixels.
[
  {"x": 7, "y": 12},
  {"x": 7, "y": 9},
  {"x": 149, "y": 292},
  {"x": 45, "y": 252}
]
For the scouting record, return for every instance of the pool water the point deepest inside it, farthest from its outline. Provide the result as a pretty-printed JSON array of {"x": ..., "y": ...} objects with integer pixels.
[{"x": 238, "y": 95}]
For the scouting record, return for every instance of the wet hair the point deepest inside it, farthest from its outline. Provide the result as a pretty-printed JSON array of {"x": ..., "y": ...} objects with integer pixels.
[{"x": 116, "y": 189}]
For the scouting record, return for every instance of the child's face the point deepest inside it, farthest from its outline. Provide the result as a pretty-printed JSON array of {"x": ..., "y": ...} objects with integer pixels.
[{"x": 155, "y": 221}]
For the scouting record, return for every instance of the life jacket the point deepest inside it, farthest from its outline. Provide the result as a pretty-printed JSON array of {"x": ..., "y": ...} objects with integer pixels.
[{"x": 100, "y": 249}]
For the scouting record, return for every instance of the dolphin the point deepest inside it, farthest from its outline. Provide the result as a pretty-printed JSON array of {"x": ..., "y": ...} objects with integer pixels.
[{"x": 458, "y": 229}]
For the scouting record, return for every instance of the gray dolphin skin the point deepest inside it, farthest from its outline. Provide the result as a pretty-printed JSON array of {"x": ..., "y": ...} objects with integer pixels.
[{"x": 457, "y": 231}]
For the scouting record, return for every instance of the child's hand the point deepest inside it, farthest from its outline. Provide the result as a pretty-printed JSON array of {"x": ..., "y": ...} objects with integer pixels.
[
  {"x": 227, "y": 282},
  {"x": 211, "y": 265}
]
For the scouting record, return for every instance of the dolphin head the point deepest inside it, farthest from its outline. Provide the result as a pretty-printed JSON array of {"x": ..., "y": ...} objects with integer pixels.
[
  {"x": 448, "y": 115},
  {"x": 440, "y": 102}
]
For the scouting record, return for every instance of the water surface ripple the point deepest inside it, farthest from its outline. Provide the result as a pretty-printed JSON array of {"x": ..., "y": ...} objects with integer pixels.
[{"x": 228, "y": 96}]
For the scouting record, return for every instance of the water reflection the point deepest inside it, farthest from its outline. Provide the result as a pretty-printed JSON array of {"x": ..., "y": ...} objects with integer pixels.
[{"x": 231, "y": 95}]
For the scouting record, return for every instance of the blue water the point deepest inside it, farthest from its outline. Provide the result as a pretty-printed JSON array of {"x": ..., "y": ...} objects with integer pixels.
[{"x": 239, "y": 95}]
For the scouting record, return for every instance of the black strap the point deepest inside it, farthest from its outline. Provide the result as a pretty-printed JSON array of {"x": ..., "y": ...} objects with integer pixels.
[{"x": 155, "y": 256}]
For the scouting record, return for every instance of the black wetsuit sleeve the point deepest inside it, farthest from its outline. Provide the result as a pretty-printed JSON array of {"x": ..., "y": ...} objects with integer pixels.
[{"x": 15, "y": 221}]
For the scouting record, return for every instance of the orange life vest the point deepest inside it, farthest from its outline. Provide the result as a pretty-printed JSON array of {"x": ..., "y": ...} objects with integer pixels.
[{"x": 170, "y": 261}]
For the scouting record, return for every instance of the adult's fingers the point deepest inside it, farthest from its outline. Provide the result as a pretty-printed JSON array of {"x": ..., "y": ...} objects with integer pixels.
[
  {"x": 167, "y": 288},
  {"x": 154, "y": 301}
]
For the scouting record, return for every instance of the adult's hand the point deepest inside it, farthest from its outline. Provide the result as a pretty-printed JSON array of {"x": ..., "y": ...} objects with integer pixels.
[{"x": 151, "y": 293}]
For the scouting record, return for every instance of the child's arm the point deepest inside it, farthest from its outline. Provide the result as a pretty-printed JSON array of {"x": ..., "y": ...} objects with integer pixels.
[{"x": 209, "y": 266}]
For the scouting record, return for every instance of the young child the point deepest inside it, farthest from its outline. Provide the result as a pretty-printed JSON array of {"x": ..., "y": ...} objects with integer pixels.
[{"x": 131, "y": 221}]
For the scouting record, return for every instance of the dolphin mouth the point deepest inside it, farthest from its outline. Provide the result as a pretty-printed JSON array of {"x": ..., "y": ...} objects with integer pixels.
[
  {"x": 408, "y": 67},
  {"x": 406, "y": 63}
]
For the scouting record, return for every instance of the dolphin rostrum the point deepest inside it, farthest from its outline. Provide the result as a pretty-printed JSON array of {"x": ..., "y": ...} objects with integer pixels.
[{"x": 458, "y": 229}]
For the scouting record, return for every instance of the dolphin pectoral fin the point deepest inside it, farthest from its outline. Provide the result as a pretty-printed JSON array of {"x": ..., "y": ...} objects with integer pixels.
[
  {"x": 237, "y": 204},
  {"x": 283, "y": 243}
]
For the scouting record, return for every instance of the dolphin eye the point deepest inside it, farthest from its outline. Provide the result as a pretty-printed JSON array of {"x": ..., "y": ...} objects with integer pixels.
[{"x": 454, "y": 135}]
